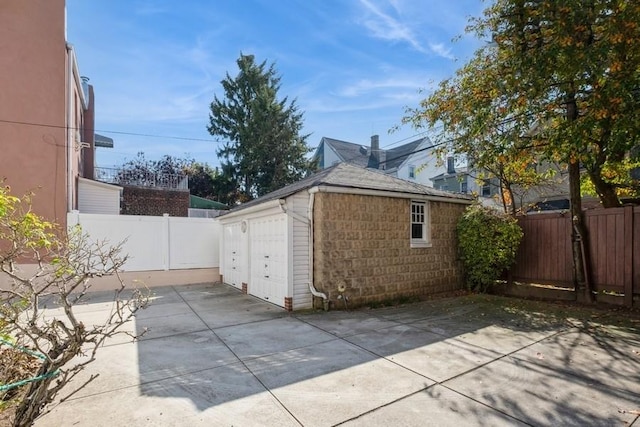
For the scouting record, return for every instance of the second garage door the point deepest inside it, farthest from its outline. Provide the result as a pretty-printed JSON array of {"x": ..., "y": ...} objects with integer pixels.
[{"x": 269, "y": 267}]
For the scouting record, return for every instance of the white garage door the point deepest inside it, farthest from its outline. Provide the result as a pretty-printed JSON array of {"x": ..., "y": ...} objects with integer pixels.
[
  {"x": 268, "y": 241},
  {"x": 234, "y": 259}
]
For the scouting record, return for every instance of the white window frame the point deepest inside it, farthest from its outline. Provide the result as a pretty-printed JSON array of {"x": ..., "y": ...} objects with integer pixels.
[
  {"x": 485, "y": 190},
  {"x": 412, "y": 172},
  {"x": 419, "y": 214}
]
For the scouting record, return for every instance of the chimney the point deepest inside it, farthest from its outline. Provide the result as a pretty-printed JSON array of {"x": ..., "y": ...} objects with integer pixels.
[{"x": 375, "y": 149}]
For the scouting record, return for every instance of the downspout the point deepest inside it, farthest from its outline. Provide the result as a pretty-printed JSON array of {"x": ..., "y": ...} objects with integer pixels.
[
  {"x": 314, "y": 291},
  {"x": 309, "y": 221},
  {"x": 69, "y": 127}
]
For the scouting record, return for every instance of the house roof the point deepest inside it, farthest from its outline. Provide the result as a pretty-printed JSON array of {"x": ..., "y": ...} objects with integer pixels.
[
  {"x": 202, "y": 203},
  {"x": 349, "y": 152},
  {"x": 347, "y": 176},
  {"x": 360, "y": 155},
  {"x": 396, "y": 156},
  {"x": 445, "y": 175}
]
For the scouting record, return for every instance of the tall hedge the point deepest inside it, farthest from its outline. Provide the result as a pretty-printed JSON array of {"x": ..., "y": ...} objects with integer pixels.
[{"x": 487, "y": 242}]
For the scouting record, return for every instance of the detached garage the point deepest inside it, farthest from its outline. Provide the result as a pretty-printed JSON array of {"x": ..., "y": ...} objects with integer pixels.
[{"x": 345, "y": 235}]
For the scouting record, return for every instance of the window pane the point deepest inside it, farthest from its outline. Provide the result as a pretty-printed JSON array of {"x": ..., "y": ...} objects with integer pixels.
[{"x": 416, "y": 231}]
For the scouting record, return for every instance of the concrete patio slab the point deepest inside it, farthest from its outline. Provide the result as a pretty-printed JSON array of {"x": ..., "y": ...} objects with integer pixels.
[
  {"x": 603, "y": 358},
  {"x": 347, "y": 323},
  {"x": 545, "y": 397},
  {"x": 224, "y": 396},
  {"x": 423, "y": 352},
  {"x": 214, "y": 356},
  {"x": 502, "y": 340},
  {"x": 249, "y": 342},
  {"x": 436, "y": 405},
  {"x": 333, "y": 381}
]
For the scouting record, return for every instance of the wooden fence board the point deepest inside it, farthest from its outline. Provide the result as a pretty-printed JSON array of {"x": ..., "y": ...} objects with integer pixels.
[
  {"x": 545, "y": 255},
  {"x": 636, "y": 251}
]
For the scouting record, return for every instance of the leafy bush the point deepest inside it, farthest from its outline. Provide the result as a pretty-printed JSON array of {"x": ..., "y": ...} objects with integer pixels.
[
  {"x": 64, "y": 263},
  {"x": 487, "y": 243}
]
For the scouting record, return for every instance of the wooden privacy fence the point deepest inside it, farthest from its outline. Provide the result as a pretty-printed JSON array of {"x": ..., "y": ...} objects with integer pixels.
[{"x": 545, "y": 256}]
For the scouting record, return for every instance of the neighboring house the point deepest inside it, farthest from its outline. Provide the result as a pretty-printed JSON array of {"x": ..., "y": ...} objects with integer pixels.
[
  {"x": 465, "y": 180},
  {"x": 415, "y": 161},
  {"x": 46, "y": 109},
  {"x": 96, "y": 197},
  {"x": 148, "y": 193},
  {"x": 354, "y": 234},
  {"x": 552, "y": 194}
]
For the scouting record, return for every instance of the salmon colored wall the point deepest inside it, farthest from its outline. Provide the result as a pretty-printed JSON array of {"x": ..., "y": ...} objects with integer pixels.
[{"x": 32, "y": 90}]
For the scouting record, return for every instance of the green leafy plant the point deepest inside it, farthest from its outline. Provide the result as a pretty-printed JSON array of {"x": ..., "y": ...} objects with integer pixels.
[
  {"x": 40, "y": 264},
  {"x": 487, "y": 243}
]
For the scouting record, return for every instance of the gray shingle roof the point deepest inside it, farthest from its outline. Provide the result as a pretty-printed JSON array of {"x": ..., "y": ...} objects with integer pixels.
[
  {"x": 349, "y": 152},
  {"x": 360, "y": 155},
  {"x": 347, "y": 176},
  {"x": 396, "y": 156}
]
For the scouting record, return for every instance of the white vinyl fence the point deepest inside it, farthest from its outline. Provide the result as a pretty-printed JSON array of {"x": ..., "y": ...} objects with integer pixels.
[{"x": 155, "y": 242}]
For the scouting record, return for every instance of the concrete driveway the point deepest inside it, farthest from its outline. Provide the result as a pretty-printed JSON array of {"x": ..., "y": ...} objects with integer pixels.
[{"x": 215, "y": 357}]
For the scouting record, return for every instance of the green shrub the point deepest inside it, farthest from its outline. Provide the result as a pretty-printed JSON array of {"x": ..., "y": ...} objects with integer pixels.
[{"x": 487, "y": 242}]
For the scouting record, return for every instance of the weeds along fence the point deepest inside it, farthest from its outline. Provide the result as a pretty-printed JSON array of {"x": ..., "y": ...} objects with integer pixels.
[{"x": 545, "y": 255}]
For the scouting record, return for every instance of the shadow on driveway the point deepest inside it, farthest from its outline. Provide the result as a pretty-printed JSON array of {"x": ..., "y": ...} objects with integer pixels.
[{"x": 212, "y": 355}]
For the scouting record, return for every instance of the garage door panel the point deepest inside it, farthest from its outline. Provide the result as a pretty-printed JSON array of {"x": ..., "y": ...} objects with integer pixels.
[
  {"x": 268, "y": 243},
  {"x": 234, "y": 258}
]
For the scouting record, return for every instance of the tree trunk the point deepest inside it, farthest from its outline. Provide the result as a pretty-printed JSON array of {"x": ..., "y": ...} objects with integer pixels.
[
  {"x": 578, "y": 230},
  {"x": 606, "y": 192}
]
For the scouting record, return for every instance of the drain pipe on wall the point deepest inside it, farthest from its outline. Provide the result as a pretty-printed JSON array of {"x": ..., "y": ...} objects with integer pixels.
[
  {"x": 69, "y": 129},
  {"x": 314, "y": 291}
]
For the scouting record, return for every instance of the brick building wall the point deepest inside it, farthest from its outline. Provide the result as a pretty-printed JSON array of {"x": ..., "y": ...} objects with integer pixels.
[
  {"x": 363, "y": 242},
  {"x": 152, "y": 202}
]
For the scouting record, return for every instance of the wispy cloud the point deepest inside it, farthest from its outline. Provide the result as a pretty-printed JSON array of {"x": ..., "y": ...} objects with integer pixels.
[
  {"x": 368, "y": 86},
  {"x": 400, "y": 25},
  {"x": 352, "y": 66},
  {"x": 386, "y": 27},
  {"x": 441, "y": 50}
]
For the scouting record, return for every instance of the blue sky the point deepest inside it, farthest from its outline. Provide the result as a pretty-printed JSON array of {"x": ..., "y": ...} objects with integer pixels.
[{"x": 353, "y": 65}]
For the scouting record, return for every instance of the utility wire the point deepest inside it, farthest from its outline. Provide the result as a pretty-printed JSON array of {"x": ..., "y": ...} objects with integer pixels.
[
  {"x": 218, "y": 141},
  {"x": 182, "y": 138}
]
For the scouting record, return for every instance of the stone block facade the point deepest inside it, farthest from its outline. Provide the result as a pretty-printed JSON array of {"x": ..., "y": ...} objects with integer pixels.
[
  {"x": 363, "y": 243},
  {"x": 154, "y": 202}
]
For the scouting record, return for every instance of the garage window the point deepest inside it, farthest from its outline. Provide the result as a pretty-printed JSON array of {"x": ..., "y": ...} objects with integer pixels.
[{"x": 420, "y": 225}]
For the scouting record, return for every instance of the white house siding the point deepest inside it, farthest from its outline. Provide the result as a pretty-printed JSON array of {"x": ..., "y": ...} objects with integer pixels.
[
  {"x": 426, "y": 167},
  {"x": 299, "y": 249},
  {"x": 330, "y": 157},
  {"x": 98, "y": 198}
]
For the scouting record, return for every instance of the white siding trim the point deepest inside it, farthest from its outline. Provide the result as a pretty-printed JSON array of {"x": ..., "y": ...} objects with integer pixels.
[{"x": 300, "y": 257}]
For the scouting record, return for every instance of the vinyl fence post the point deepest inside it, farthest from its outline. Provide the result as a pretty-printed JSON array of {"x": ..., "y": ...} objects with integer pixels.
[{"x": 166, "y": 251}]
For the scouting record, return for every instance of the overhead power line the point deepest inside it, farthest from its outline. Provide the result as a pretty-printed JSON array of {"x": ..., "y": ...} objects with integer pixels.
[
  {"x": 182, "y": 138},
  {"x": 146, "y": 135}
]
